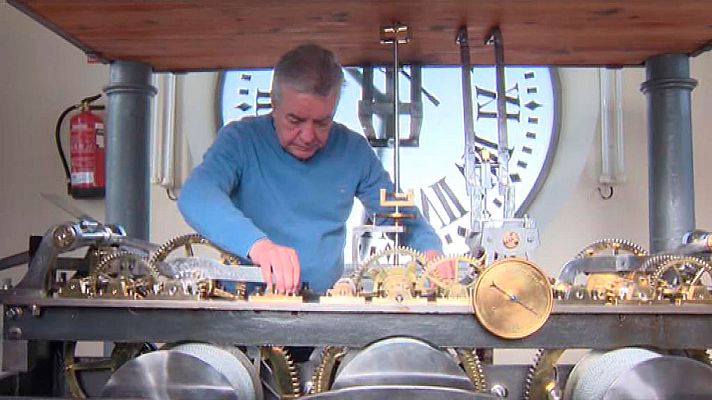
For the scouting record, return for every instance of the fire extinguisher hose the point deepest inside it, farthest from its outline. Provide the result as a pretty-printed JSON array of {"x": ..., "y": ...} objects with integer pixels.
[{"x": 58, "y": 130}]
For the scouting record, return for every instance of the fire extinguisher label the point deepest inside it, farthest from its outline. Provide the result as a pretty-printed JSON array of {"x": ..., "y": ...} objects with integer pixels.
[{"x": 82, "y": 178}]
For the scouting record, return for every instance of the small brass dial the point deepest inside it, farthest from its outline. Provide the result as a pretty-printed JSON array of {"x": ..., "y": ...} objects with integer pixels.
[{"x": 512, "y": 298}]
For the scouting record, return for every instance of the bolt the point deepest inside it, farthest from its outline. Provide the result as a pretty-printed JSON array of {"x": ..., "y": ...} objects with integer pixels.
[
  {"x": 64, "y": 236},
  {"x": 499, "y": 391},
  {"x": 510, "y": 240},
  {"x": 14, "y": 333},
  {"x": 13, "y": 312}
]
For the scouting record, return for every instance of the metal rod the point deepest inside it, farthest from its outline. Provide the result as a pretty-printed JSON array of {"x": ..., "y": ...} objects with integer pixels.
[
  {"x": 470, "y": 136},
  {"x": 466, "y": 71},
  {"x": 168, "y": 131},
  {"x": 399, "y": 33},
  {"x": 127, "y": 148},
  {"x": 396, "y": 138},
  {"x": 671, "y": 196},
  {"x": 396, "y": 122},
  {"x": 606, "y": 174},
  {"x": 495, "y": 39}
]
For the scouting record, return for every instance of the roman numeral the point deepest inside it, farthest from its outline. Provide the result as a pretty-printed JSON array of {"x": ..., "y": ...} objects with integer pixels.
[
  {"x": 441, "y": 204},
  {"x": 486, "y": 98},
  {"x": 263, "y": 102}
]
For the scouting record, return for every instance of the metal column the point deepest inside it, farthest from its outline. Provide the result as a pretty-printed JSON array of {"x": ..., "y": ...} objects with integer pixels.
[
  {"x": 127, "y": 148},
  {"x": 671, "y": 197}
]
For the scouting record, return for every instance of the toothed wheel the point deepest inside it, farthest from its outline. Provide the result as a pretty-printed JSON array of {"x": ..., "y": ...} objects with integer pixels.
[
  {"x": 682, "y": 270},
  {"x": 616, "y": 246},
  {"x": 466, "y": 270},
  {"x": 397, "y": 257},
  {"x": 285, "y": 373},
  {"x": 653, "y": 262},
  {"x": 473, "y": 368},
  {"x": 600, "y": 284},
  {"x": 343, "y": 287},
  {"x": 542, "y": 376},
  {"x": 127, "y": 264},
  {"x": 188, "y": 242},
  {"x": 323, "y": 376},
  {"x": 73, "y": 367},
  {"x": 704, "y": 356}
]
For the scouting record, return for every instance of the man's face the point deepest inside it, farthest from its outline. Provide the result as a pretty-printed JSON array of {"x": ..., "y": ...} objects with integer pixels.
[{"x": 302, "y": 121}]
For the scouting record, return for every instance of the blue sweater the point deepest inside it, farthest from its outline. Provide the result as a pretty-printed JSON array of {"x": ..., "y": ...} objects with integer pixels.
[{"x": 248, "y": 187}]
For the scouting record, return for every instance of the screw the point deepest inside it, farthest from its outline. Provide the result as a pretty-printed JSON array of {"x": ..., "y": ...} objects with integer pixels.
[
  {"x": 64, "y": 236},
  {"x": 14, "y": 333},
  {"x": 499, "y": 391},
  {"x": 13, "y": 312}
]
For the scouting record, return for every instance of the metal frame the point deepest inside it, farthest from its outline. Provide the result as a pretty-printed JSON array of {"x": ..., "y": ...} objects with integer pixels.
[{"x": 313, "y": 324}]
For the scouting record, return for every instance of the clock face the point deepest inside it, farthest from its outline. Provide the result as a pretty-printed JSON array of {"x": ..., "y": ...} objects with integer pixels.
[{"x": 432, "y": 157}]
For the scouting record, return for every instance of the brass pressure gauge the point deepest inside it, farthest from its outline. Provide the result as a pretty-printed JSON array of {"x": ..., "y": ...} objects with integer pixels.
[{"x": 512, "y": 298}]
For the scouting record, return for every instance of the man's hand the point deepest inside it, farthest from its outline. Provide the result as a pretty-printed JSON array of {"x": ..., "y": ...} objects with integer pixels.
[
  {"x": 445, "y": 270},
  {"x": 278, "y": 261}
]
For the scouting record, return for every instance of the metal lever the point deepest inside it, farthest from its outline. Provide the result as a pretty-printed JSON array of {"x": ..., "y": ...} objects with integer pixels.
[{"x": 494, "y": 38}]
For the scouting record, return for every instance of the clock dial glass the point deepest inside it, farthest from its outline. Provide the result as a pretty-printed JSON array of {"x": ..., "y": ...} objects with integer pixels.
[{"x": 431, "y": 159}]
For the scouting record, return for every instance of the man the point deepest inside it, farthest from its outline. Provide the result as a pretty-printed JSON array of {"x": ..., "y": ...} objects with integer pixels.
[{"x": 279, "y": 188}]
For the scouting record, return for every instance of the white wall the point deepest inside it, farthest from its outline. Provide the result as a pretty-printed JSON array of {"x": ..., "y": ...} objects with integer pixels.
[
  {"x": 40, "y": 75},
  {"x": 585, "y": 217}
]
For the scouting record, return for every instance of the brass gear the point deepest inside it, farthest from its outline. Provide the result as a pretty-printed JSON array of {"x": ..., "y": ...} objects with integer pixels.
[
  {"x": 602, "y": 283},
  {"x": 704, "y": 356},
  {"x": 453, "y": 288},
  {"x": 615, "y": 245},
  {"x": 653, "y": 262},
  {"x": 121, "y": 353},
  {"x": 542, "y": 375},
  {"x": 473, "y": 368},
  {"x": 676, "y": 263},
  {"x": 103, "y": 266},
  {"x": 376, "y": 262},
  {"x": 323, "y": 376},
  {"x": 343, "y": 287},
  {"x": 285, "y": 373},
  {"x": 187, "y": 241},
  {"x": 670, "y": 261}
]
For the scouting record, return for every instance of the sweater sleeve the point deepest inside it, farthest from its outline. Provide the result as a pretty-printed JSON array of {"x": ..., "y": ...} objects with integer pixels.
[
  {"x": 205, "y": 200},
  {"x": 418, "y": 232}
]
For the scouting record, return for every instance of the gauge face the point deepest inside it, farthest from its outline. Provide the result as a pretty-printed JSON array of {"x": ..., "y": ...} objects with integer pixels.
[{"x": 512, "y": 298}]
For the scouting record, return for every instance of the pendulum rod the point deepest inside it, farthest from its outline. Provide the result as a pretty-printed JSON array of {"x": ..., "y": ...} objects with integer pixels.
[{"x": 395, "y": 34}]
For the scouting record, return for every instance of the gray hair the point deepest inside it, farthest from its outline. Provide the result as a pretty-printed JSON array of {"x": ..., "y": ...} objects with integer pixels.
[{"x": 310, "y": 69}]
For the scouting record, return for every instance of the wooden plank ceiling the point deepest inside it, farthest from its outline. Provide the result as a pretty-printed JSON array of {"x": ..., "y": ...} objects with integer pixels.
[{"x": 213, "y": 34}]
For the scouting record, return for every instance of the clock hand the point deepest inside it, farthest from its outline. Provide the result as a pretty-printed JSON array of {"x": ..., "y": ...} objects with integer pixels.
[{"x": 513, "y": 298}]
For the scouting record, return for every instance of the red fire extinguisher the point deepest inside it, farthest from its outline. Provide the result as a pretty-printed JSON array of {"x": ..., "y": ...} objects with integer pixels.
[{"x": 85, "y": 174}]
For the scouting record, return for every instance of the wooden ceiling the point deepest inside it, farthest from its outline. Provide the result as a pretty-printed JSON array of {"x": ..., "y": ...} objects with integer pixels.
[{"x": 219, "y": 34}]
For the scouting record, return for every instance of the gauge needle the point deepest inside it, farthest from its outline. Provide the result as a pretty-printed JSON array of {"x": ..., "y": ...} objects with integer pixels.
[{"x": 513, "y": 298}]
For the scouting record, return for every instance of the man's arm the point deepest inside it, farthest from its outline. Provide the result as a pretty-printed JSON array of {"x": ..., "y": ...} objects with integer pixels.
[
  {"x": 418, "y": 233},
  {"x": 207, "y": 207}
]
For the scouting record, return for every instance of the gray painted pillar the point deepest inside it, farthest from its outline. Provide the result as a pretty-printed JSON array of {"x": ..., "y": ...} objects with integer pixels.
[
  {"x": 671, "y": 193},
  {"x": 129, "y": 95}
]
